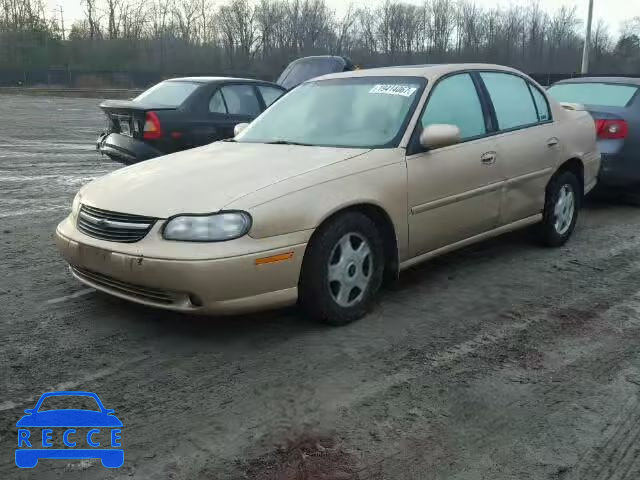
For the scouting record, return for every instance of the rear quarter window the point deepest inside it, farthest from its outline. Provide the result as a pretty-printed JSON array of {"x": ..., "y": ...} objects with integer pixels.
[
  {"x": 605, "y": 94},
  {"x": 542, "y": 106}
]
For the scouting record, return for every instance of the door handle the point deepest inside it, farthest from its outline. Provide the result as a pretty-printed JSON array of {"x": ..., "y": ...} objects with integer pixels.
[
  {"x": 488, "y": 158},
  {"x": 552, "y": 142}
]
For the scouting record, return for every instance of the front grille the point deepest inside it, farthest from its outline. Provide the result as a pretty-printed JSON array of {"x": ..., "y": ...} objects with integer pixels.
[
  {"x": 112, "y": 226},
  {"x": 153, "y": 295}
]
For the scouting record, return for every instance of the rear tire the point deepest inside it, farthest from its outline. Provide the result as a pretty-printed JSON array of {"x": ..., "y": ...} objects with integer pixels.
[
  {"x": 342, "y": 270},
  {"x": 562, "y": 203}
]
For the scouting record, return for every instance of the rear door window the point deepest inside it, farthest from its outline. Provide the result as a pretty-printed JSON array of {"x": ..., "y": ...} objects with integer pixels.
[
  {"x": 269, "y": 94},
  {"x": 605, "y": 94},
  {"x": 511, "y": 99},
  {"x": 455, "y": 101},
  {"x": 167, "y": 94},
  {"x": 241, "y": 99}
]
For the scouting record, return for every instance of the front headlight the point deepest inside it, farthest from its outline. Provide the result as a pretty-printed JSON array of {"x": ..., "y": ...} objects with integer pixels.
[
  {"x": 207, "y": 228},
  {"x": 75, "y": 206}
]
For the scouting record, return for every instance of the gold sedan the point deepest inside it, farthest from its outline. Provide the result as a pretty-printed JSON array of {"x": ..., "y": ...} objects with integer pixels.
[{"x": 345, "y": 181}]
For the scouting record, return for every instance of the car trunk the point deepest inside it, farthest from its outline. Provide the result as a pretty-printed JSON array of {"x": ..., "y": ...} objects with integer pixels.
[
  {"x": 128, "y": 117},
  {"x": 615, "y": 146}
]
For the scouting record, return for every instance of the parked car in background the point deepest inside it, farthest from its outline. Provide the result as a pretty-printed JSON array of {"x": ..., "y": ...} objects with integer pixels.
[
  {"x": 614, "y": 104},
  {"x": 346, "y": 180},
  {"x": 306, "y": 68},
  {"x": 181, "y": 113}
]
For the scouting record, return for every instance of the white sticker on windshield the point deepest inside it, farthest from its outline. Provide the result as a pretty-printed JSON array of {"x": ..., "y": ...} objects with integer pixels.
[{"x": 394, "y": 89}]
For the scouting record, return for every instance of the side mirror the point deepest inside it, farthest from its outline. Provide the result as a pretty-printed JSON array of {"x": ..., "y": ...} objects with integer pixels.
[
  {"x": 239, "y": 128},
  {"x": 439, "y": 135},
  {"x": 29, "y": 410}
]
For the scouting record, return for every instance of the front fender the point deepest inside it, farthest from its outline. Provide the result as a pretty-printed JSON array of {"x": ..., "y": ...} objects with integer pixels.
[{"x": 306, "y": 208}]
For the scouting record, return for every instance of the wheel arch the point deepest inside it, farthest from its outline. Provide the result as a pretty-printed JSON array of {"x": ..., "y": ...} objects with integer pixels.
[
  {"x": 385, "y": 226},
  {"x": 576, "y": 166}
]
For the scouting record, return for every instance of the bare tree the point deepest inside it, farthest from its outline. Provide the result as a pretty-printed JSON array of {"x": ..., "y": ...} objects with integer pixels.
[
  {"x": 93, "y": 18},
  {"x": 345, "y": 26},
  {"x": 442, "y": 23},
  {"x": 185, "y": 15},
  {"x": 259, "y": 37}
]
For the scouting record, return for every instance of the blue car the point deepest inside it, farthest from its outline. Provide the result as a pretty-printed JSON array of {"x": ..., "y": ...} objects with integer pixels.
[
  {"x": 31, "y": 447},
  {"x": 614, "y": 104}
]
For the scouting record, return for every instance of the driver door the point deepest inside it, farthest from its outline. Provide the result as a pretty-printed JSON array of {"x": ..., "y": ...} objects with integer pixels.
[{"x": 454, "y": 192}]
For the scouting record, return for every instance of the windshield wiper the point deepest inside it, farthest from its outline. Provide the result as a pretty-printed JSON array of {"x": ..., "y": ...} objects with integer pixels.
[{"x": 286, "y": 142}]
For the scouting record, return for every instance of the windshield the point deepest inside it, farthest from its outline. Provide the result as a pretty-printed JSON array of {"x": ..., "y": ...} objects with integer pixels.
[
  {"x": 605, "y": 94},
  {"x": 170, "y": 94},
  {"x": 365, "y": 112}
]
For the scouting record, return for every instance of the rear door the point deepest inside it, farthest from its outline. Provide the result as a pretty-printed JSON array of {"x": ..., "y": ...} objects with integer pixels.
[
  {"x": 231, "y": 104},
  {"x": 527, "y": 142}
]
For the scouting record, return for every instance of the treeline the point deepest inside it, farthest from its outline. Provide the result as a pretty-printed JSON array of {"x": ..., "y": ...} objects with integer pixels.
[{"x": 259, "y": 37}]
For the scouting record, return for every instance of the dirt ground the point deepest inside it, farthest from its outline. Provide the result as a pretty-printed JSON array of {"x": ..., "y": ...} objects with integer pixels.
[{"x": 500, "y": 361}]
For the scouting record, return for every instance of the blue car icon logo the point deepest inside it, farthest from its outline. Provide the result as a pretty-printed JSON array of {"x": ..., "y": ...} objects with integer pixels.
[{"x": 99, "y": 429}]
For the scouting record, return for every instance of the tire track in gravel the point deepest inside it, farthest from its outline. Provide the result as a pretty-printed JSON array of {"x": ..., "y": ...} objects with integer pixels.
[
  {"x": 451, "y": 364},
  {"x": 616, "y": 458},
  {"x": 372, "y": 389},
  {"x": 448, "y": 359}
]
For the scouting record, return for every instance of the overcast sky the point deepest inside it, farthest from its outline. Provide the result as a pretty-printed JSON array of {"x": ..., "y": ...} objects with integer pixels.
[{"x": 612, "y": 11}]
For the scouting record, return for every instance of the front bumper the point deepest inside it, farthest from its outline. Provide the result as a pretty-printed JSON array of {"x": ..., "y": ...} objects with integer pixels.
[
  {"x": 619, "y": 169},
  {"x": 229, "y": 285},
  {"x": 125, "y": 149}
]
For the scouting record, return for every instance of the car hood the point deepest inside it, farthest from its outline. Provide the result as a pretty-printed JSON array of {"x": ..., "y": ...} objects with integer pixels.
[
  {"x": 206, "y": 179},
  {"x": 69, "y": 418}
]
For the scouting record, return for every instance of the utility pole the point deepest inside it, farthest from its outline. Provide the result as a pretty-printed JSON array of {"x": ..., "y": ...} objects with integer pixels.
[
  {"x": 62, "y": 23},
  {"x": 587, "y": 40}
]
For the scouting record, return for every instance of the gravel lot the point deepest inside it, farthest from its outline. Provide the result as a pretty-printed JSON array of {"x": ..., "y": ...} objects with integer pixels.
[{"x": 501, "y": 361}]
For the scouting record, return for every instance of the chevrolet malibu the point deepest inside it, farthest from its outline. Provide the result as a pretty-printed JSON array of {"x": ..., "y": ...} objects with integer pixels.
[{"x": 343, "y": 183}]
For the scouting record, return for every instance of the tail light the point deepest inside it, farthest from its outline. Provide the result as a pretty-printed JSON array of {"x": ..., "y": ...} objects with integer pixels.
[
  {"x": 612, "y": 129},
  {"x": 152, "y": 129}
]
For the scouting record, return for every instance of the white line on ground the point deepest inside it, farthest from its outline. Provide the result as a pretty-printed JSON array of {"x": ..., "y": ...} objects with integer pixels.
[
  {"x": 32, "y": 178},
  {"x": 33, "y": 210},
  {"x": 24, "y": 143},
  {"x": 64, "y": 298},
  {"x": 73, "y": 385}
]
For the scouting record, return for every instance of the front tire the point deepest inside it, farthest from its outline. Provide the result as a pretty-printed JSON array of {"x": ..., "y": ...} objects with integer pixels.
[
  {"x": 562, "y": 203},
  {"x": 342, "y": 270}
]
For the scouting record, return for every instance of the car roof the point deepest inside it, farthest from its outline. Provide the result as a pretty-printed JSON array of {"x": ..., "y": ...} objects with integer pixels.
[
  {"x": 317, "y": 57},
  {"x": 427, "y": 71},
  {"x": 216, "y": 80},
  {"x": 595, "y": 79}
]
